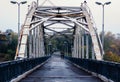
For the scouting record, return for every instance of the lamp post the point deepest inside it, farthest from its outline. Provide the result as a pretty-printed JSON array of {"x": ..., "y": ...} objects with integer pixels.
[
  {"x": 18, "y": 3},
  {"x": 103, "y": 4}
]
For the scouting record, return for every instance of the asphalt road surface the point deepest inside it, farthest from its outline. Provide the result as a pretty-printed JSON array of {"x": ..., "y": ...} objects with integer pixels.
[{"x": 59, "y": 70}]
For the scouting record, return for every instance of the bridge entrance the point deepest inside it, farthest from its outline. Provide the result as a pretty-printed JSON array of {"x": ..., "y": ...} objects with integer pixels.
[{"x": 44, "y": 24}]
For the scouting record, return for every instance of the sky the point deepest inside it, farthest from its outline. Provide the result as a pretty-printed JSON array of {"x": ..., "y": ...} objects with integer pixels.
[{"x": 8, "y": 13}]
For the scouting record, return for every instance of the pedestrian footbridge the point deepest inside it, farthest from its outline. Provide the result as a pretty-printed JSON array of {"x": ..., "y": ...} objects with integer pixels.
[
  {"x": 70, "y": 30},
  {"x": 59, "y": 70}
]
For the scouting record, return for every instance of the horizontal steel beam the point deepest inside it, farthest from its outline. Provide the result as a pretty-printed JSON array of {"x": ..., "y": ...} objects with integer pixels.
[{"x": 76, "y": 22}]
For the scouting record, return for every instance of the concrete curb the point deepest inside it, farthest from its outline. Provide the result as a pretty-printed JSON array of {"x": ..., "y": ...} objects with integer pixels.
[
  {"x": 20, "y": 77},
  {"x": 101, "y": 77}
]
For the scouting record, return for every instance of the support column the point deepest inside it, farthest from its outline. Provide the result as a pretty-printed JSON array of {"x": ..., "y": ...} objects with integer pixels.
[
  {"x": 82, "y": 45},
  {"x": 74, "y": 48},
  {"x": 42, "y": 42},
  {"x": 30, "y": 44},
  {"x": 39, "y": 41},
  {"x": 87, "y": 47},
  {"x": 93, "y": 54},
  {"x": 78, "y": 41},
  {"x": 34, "y": 43},
  {"x": 79, "y": 45}
]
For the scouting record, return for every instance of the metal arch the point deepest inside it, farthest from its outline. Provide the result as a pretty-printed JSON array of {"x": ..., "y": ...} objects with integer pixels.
[
  {"x": 89, "y": 19},
  {"x": 22, "y": 46},
  {"x": 39, "y": 15}
]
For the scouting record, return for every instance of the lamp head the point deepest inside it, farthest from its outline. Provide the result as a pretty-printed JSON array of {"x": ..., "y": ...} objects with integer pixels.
[
  {"x": 23, "y": 2},
  {"x": 98, "y": 3},
  {"x": 107, "y": 3},
  {"x": 13, "y": 2}
]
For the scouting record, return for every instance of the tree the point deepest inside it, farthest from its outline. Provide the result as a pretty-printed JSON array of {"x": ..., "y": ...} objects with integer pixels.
[
  {"x": 13, "y": 39},
  {"x": 8, "y": 44},
  {"x": 109, "y": 40},
  {"x": 112, "y": 47}
]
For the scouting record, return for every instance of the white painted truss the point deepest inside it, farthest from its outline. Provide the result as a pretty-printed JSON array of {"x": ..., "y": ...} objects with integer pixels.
[{"x": 79, "y": 19}]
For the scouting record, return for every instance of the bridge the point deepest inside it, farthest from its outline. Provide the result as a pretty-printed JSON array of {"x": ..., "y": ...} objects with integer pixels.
[{"x": 36, "y": 60}]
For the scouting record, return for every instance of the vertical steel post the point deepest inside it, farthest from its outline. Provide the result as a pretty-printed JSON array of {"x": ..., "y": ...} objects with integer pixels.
[
  {"x": 93, "y": 54},
  {"x": 39, "y": 41},
  {"x": 87, "y": 47},
  {"x": 30, "y": 44},
  {"x": 18, "y": 27},
  {"x": 82, "y": 45},
  {"x": 103, "y": 27},
  {"x": 34, "y": 43}
]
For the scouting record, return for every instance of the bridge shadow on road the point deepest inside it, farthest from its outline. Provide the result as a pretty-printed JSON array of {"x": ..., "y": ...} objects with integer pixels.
[{"x": 59, "y": 70}]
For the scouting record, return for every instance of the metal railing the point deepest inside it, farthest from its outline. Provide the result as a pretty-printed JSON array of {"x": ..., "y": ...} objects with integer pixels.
[
  {"x": 12, "y": 69},
  {"x": 110, "y": 70}
]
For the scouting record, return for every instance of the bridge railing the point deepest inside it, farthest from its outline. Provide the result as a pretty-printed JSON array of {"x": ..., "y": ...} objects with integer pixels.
[
  {"x": 110, "y": 70},
  {"x": 12, "y": 69}
]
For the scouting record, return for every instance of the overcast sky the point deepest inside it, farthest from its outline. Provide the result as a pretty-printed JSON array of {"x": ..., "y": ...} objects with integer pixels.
[{"x": 8, "y": 13}]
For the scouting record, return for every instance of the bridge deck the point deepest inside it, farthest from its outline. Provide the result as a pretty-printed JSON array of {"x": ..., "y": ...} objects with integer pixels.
[{"x": 59, "y": 70}]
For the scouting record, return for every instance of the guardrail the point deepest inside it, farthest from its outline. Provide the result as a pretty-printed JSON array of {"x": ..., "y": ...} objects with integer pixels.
[
  {"x": 110, "y": 70},
  {"x": 10, "y": 70}
]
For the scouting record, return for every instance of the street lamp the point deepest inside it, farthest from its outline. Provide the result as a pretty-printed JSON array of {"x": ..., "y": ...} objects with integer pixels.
[
  {"x": 103, "y": 4},
  {"x": 18, "y": 3}
]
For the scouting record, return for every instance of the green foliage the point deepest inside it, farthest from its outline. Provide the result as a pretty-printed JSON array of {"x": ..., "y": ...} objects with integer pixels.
[
  {"x": 110, "y": 56},
  {"x": 11, "y": 54},
  {"x": 3, "y": 47},
  {"x": 13, "y": 41},
  {"x": 9, "y": 49},
  {"x": 112, "y": 47},
  {"x": 109, "y": 40}
]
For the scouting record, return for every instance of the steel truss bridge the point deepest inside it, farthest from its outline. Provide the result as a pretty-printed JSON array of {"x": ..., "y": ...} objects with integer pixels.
[
  {"x": 76, "y": 24},
  {"x": 77, "y": 20}
]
